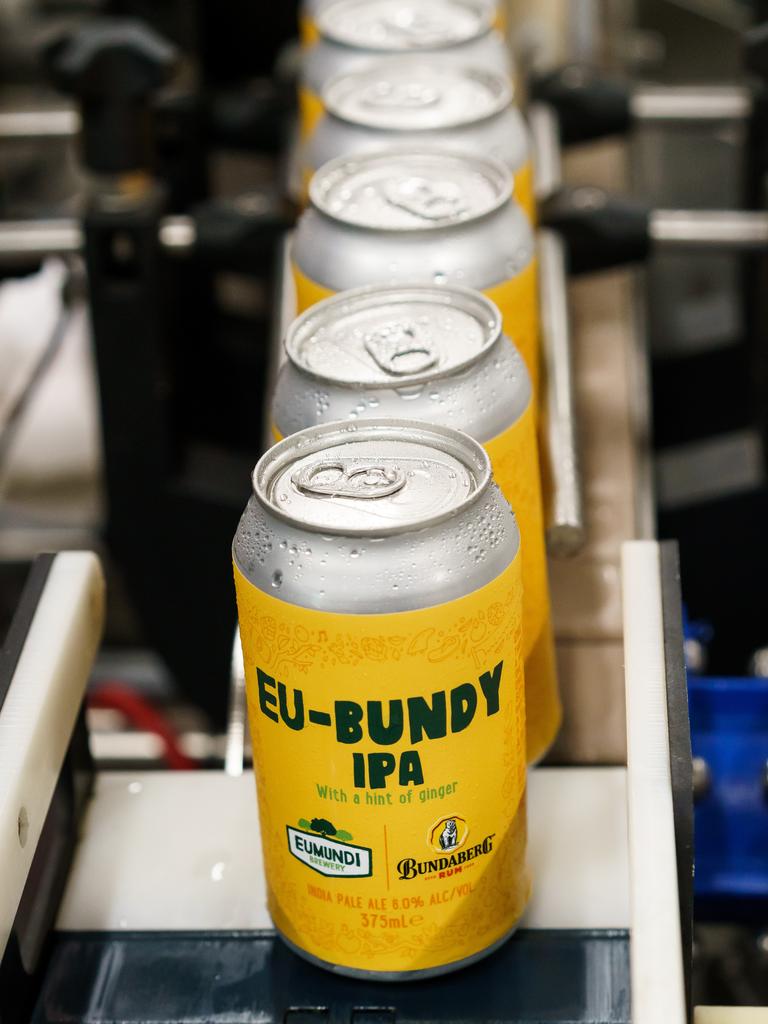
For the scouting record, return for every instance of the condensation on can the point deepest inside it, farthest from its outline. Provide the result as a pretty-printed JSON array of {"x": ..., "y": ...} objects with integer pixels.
[
  {"x": 395, "y": 218},
  {"x": 406, "y": 102},
  {"x": 352, "y": 33},
  {"x": 438, "y": 355},
  {"x": 379, "y": 596},
  {"x": 309, "y": 11}
]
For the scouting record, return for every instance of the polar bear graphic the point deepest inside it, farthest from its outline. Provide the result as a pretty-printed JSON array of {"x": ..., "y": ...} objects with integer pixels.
[{"x": 449, "y": 836}]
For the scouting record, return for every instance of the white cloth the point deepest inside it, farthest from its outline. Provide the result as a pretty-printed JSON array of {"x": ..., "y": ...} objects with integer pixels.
[{"x": 58, "y": 436}]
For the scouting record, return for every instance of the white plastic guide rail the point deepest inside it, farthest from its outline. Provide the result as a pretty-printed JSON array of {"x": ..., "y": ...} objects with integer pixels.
[
  {"x": 39, "y": 714},
  {"x": 236, "y": 715},
  {"x": 658, "y": 987}
]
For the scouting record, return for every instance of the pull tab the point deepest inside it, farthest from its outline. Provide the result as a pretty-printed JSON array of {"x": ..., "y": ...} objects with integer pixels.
[
  {"x": 384, "y": 95},
  {"x": 430, "y": 200},
  {"x": 396, "y": 350},
  {"x": 345, "y": 478}
]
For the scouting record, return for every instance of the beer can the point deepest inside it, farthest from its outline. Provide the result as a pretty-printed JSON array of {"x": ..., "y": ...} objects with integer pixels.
[
  {"x": 378, "y": 583},
  {"x": 413, "y": 216},
  {"x": 353, "y": 33},
  {"x": 402, "y": 102},
  {"x": 438, "y": 355},
  {"x": 309, "y": 12}
]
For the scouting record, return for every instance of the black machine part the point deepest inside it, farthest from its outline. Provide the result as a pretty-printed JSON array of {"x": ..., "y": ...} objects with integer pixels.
[
  {"x": 756, "y": 50},
  {"x": 113, "y": 67},
  {"x": 589, "y": 105},
  {"x": 599, "y": 230},
  {"x": 575, "y": 976},
  {"x": 680, "y": 754}
]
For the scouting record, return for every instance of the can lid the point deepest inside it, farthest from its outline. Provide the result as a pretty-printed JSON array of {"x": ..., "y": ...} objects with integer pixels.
[
  {"x": 404, "y": 26},
  {"x": 410, "y": 190},
  {"x": 402, "y": 94},
  {"x": 393, "y": 336},
  {"x": 377, "y": 478}
]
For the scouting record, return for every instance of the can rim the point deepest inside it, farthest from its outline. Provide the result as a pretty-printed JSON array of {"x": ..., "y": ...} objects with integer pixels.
[
  {"x": 497, "y": 173},
  {"x": 454, "y": 442},
  {"x": 472, "y": 302},
  {"x": 326, "y": 30},
  {"x": 331, "y": 99}
]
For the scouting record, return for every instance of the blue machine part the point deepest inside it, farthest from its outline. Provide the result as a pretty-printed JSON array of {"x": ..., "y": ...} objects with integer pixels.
[
  {"x": 729, "y": 737},
  {"x": 729, "y": 732}
]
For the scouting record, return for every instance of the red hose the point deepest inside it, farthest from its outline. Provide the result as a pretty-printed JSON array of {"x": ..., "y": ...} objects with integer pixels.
[{"x": 143, "y": 716}]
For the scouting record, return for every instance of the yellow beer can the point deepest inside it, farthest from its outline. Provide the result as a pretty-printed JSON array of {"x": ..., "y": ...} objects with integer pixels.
[
  {"x": 435, "y": 354},
  {"x": 378, "y": 582},
  {"x": 353, "y": 33},
  {"x": 391, "y": 218},
  {"x": 408, "y": 102},
  {"x": 309, "y": 12}
]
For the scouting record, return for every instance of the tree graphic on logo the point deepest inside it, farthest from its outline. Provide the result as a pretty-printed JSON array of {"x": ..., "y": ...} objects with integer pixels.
[{"x": 325, "y": 828}]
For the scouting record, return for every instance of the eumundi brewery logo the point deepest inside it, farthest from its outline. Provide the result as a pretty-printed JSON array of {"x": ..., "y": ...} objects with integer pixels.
[{"x": 327, "y": 850}]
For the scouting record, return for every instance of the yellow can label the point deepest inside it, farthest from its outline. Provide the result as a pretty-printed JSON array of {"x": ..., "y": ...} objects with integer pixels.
[
  {"x": 308, "y": 33},
  {"x": 390, "y": 768},
  {"x": 524, "y": 190},
  {"x": 515, "y": 462},
  {"x": 311, "y": 109},
  {"x": 517, "y": 301},
  {"x": 308, "y": 292}
]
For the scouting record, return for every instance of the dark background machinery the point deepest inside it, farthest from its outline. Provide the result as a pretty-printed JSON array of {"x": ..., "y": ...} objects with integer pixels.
[{"x": 180, "y": 335}]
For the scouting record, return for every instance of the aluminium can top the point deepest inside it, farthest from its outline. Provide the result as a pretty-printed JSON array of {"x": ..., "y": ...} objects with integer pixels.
[
  {"x": 401, "y": 26},
  {"x": 403, "y": 95},
  {"x": 410, "y": 190},
  {"x": 313, "y": 7},
  {"x": 393, "y": 336},
  {"x": 378, "y": 478}
]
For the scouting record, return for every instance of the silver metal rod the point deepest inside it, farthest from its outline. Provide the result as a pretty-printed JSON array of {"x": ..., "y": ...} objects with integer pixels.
[
  {"x": 33, "y": 240},
  {"x": 24, "y": 125},
  {"x": 565, "y": 533},
  {"x": 545, "y": 134},
  {"x": 36, "y": 239},
  {"x": 584, "y": 30},
  {"x": 690, "y": 104},
  {"x": 178, "y": 234},
  {"x": 725, "y": 230}
]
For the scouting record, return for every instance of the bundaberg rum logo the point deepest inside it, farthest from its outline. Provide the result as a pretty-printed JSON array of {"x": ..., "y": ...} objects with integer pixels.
[
  {"x": 328, "y": 850},
  {"x": 448, "y": 838},
  {"x": 448, "y": 833}
]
